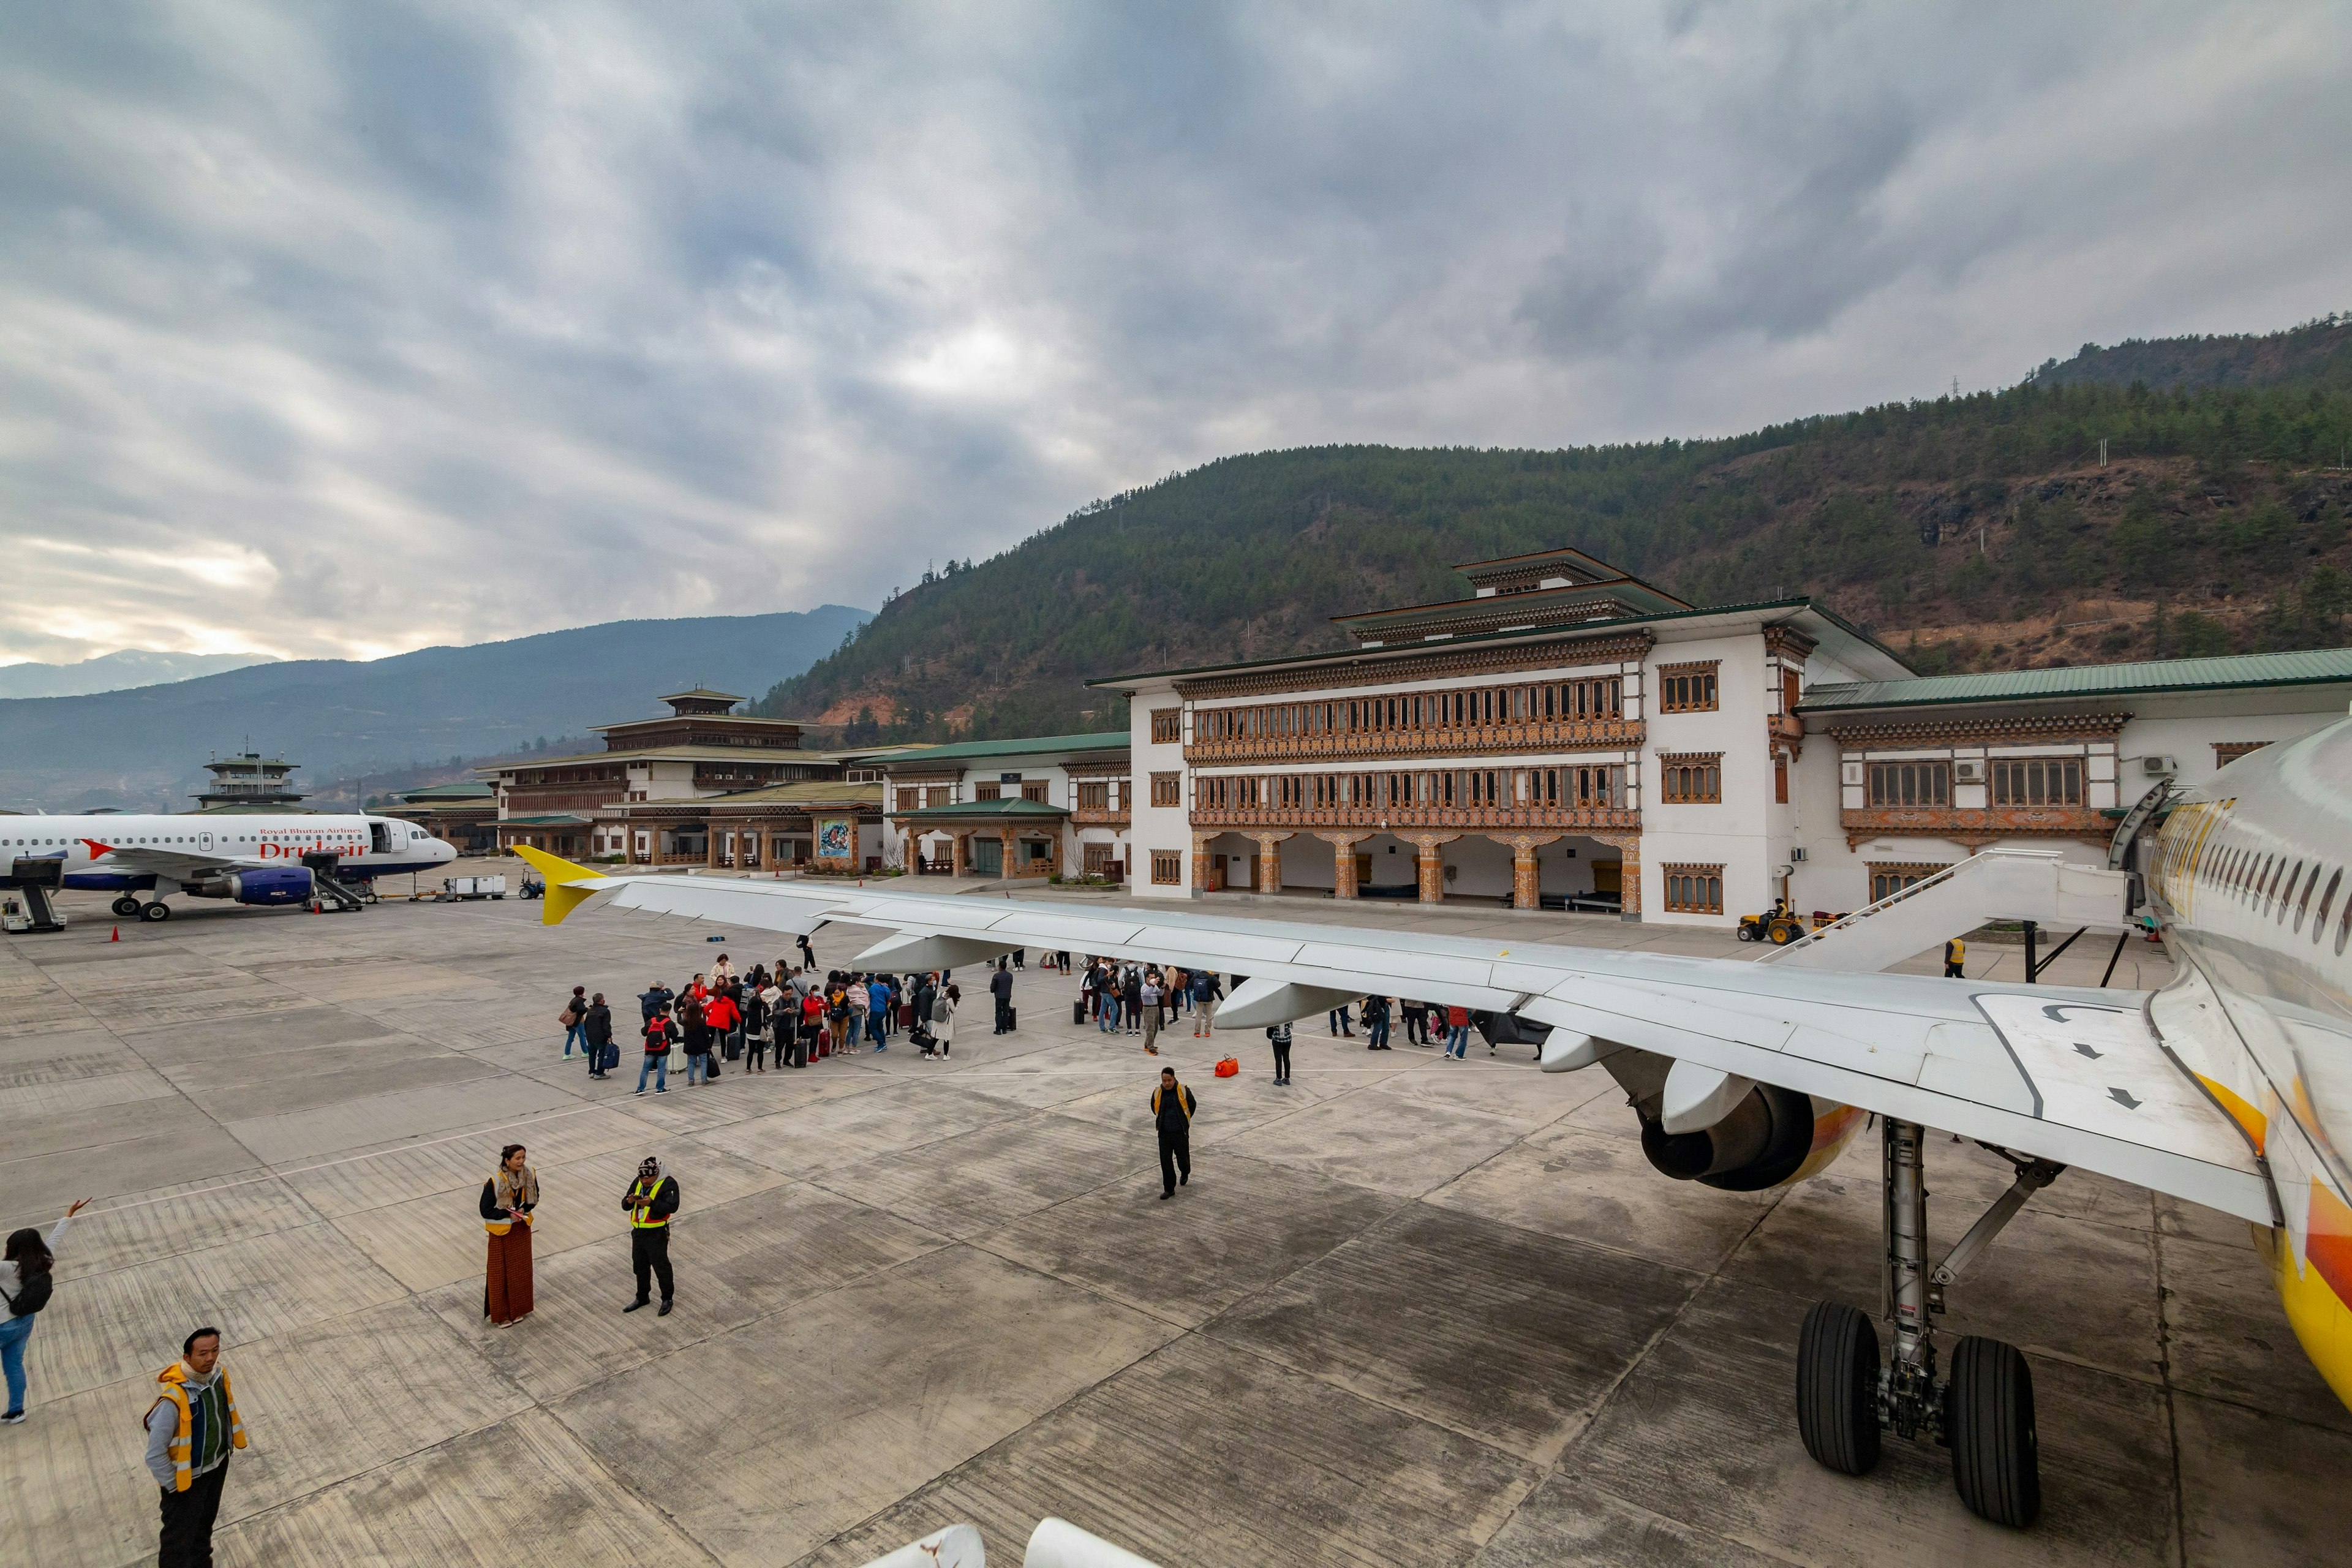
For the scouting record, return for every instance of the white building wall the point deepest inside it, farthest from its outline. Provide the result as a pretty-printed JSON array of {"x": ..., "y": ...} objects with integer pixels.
[
  {"x": 1157, "y": 828},
  {"x": 1733, "y": 834}
]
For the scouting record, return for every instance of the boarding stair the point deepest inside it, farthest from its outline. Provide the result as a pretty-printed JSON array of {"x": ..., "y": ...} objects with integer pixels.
[
  {"x": 2036, "y": 887},
  {"x": 329, "y": 891}
]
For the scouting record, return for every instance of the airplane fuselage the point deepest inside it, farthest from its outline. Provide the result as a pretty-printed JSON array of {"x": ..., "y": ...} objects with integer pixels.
[
  {"x": 100, "y": 851},
  {"x": 2252, "y": 881}
]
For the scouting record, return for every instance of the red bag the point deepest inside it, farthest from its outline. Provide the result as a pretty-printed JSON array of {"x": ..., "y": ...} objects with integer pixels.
[{"x": 1229, "y": 1068}]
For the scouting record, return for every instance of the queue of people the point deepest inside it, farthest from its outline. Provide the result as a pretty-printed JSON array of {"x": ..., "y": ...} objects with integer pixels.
[{"x": 790, "y": 1013}]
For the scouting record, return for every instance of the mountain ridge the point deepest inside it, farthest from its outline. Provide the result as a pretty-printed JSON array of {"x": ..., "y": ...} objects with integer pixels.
[
  {"x": 147, "y": 744},
  {"x": 1979, "y": 530}
]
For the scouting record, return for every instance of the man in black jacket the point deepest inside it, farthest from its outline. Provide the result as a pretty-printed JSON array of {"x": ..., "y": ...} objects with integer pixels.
[
  {"x": 650, "y": 1202},
  {"x": 654, "y": 998},
  {"x": 1171, "y": 1112},
  {"x": 599, "y": 1024},
  {"x": 1000, "y": 986}
]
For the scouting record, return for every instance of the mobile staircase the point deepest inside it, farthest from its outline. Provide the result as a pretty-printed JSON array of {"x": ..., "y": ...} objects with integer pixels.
[
  {"x": 327, "y": 890},
  {"x": 2036, "y": 887}
]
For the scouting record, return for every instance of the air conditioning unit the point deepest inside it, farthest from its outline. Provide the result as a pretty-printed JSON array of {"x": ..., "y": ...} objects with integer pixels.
[
  {"x": 1967, "y": 773},
  {"x": 1798, "y": 852},
  {"x": 2154, "y": 766}
]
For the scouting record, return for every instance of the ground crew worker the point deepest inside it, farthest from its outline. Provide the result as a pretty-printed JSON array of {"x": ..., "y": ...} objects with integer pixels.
[
  {"x": 1171, "y": 1112},
  {"x": 1955, "y": 953},
  {"x": 191, "y": 1428},
  {"x": 651, "y": 1199}
]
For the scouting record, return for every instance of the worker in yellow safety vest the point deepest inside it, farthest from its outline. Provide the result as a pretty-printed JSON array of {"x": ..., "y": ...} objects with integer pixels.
[
  {"x": 651, "y": 1200},
  {"x": 191, "y": 1429},
  {"x": 1955, "y": 953}
]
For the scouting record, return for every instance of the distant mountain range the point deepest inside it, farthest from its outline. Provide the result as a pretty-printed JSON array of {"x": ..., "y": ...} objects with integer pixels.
[
  {"x": 145, "y": 748},
  {"x": 118, "y": 671}
]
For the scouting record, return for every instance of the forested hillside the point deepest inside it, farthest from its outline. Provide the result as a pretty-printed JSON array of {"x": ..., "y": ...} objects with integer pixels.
[{"x": 1977, "y": 531}]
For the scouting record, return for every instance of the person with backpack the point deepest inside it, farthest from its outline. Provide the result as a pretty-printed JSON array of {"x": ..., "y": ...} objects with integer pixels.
[
  {"x": 1457, "y": 1033},
  {"x": 575, "y": 1018},
  {"x": 944, "y": 1006},
  {"x": 24, "y": 1288},
  {"x": 1172, "y": 1106},
  {"x": 1376, "y": 1023},
  {"x": 191, "y": 1428},
  {"x": 659, "y": 1033},
  {"x": 759, "y": 1011},
  {"x": 597, "y": 1024},
  {"x": 1206, "y": 990}
]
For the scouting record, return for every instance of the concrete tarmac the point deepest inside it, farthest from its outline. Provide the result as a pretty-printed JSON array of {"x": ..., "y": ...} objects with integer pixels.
[{"x": 1407, "y": 1311}]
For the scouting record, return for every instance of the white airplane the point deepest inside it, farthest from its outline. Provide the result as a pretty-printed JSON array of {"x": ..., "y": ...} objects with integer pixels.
[
  {"x": 2231, "y": 1088},
  {"x": 252, "y": 860}
]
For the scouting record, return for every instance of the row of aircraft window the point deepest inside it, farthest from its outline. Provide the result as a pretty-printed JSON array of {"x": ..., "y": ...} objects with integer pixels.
[
  {"x": 1596, "y": 785},
  {"x": 2269, "y": 881},
  {"x": 1599, "y": 698},
  {"x": 225, "y": 839}
]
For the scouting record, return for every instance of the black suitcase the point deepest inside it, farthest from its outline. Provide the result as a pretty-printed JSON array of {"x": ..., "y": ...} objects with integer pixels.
[
  {"x": 1011, "y": 1017},
  {"x": 1079, "y": 1012}
]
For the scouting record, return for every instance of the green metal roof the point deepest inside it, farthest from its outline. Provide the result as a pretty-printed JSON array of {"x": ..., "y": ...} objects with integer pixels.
[
  {"x": 2316, "y": 666},
  {"x": 814, "y": 792},
  {"x": 960, "y": 750},
  {"x": 554, "y": 820},
  {"x": 997, "y": 811},
  {"x": 450, "y": 792}
]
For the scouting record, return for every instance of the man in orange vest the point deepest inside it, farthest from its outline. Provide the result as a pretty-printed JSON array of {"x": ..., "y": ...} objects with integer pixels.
[{"x": 191, "y": 1429}]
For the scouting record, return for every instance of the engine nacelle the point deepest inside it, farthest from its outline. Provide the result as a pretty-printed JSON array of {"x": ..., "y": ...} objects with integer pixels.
[
  {"x": 265, "y": 885},
  {"x": 1769, "y": 1136}
]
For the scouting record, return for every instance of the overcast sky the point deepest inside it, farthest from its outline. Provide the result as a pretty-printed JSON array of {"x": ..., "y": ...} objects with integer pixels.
[{"x": 342, "y": 330}]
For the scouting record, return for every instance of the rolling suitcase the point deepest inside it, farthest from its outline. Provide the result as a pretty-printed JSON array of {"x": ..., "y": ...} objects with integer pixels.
[
  {"x": 1011, "y": 1017},
  {"x": 1078, "y": 1011}
]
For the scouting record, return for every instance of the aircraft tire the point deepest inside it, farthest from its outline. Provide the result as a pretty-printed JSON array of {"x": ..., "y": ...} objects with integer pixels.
[
  {"x": 1988, "y": 1421},
  {"x": 157, "y": 911},
  {"x": 126, "y": 908},
  {"x": 1837, "y": 1387}
]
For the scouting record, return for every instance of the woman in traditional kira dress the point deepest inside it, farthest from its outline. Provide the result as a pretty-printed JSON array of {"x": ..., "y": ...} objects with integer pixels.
[{"x": 508, "y": 1198}]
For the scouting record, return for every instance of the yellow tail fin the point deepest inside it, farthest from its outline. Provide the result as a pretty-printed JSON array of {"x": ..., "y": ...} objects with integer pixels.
[{"x": 562, "y": 897}]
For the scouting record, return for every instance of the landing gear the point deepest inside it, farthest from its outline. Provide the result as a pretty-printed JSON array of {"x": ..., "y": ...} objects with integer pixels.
[
  {"x": 1989, "y": 1422},
  {"x": 126, "y": 907},
  {"x": 155, "y": 912},
  {"x": 1845, "y": 1398}
]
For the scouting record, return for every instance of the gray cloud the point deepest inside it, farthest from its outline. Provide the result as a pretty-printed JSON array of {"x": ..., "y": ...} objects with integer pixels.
[{"x": 337, "y": 330}]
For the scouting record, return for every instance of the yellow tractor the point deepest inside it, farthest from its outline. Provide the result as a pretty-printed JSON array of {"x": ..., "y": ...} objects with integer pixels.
[{"x": 1780, "y": 925}]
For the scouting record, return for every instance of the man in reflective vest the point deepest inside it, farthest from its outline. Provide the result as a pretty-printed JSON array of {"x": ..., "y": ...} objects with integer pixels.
[
  {"x": 1955, "y": 953},
  {"x": 1171, "y": 1114},
  {"x": 191, "y": 1428},
  {"x": 651, "y": 1199}
]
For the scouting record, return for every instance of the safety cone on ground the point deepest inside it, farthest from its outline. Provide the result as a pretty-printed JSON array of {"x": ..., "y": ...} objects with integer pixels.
[{"x": 117, "y": 936}]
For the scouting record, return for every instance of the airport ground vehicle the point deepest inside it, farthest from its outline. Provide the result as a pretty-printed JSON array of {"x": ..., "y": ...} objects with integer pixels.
[{"x": 1778, "y": 925}]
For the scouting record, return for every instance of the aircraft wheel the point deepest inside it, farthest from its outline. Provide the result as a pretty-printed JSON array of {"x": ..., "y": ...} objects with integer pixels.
[
  {"x": 1988, "y": 1421},
  {"x": 1837, "y": 1387},
  {"x": 157, "y": 911},
  {"x": 126, "y": 907}
]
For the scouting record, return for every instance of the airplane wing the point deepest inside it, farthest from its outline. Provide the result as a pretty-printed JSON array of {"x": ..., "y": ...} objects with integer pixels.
[{"x": 2077, "y": 1076}]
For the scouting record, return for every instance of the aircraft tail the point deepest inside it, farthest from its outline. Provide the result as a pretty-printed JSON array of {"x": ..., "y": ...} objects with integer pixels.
[{"x": 568, "y": 885}]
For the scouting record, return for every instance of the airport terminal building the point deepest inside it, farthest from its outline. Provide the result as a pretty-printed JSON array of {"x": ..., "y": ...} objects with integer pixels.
[{"x": 1572, "y": 737}]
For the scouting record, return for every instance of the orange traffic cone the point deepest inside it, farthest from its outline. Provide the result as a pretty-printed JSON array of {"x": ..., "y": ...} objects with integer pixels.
[{"x": 117, "y": 936}]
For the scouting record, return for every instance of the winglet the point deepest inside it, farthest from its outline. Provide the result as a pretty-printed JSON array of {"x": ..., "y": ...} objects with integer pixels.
[{"x": 563, "y": 896}]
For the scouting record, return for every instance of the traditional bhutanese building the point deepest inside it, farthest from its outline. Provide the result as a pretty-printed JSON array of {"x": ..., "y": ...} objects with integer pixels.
[
  {"x": 1568, "y": 736},
  {"x": 701, "y": 785},
  {"x": 1041, "y": 806}
]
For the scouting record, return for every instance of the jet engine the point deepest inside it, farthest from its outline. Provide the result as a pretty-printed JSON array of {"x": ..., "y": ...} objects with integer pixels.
[
  {"x": 1763, "y": 1140},
  {"x": 265, "y": 885}
]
